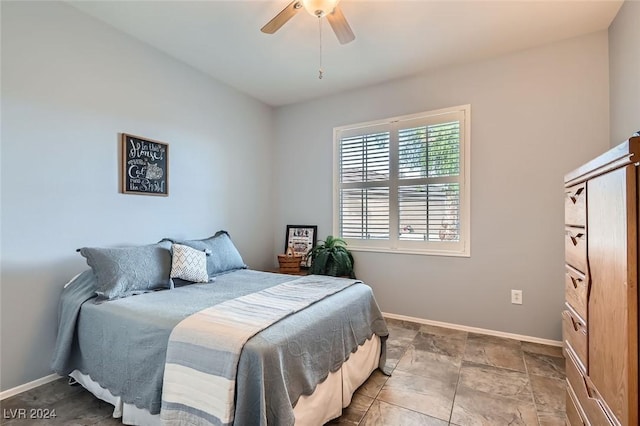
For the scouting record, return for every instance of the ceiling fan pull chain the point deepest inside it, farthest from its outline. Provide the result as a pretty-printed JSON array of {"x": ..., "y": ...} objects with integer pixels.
[{"x": 320, "y": 72}]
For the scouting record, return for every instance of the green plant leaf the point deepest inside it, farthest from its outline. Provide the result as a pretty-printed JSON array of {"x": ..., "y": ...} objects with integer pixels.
[
  {"x": 319, "y": 264},
  {"x": 331, "y": 257}
]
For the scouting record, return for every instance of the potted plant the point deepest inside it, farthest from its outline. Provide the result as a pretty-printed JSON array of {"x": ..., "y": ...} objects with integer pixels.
[{"x": 331, "y": 257}]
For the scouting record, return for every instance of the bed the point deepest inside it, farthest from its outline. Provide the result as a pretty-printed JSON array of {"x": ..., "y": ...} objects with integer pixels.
[{"x": 302, "y": 369}]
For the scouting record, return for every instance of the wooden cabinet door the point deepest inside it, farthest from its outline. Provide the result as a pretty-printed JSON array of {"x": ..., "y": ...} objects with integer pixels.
[{"x": 613, "y": 299}]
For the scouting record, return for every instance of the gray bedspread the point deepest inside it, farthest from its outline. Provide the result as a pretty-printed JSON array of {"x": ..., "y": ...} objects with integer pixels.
[{"x": 122, "y": 343}]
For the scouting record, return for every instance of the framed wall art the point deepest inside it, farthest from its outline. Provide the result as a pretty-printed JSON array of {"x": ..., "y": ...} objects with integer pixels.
[
  {"x": 301, "y": 238},
  {"x": 144, "y": 166}
]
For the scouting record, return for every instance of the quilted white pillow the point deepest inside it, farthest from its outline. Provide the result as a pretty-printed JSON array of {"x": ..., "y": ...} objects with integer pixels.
[{"x": 189, "y": 264}]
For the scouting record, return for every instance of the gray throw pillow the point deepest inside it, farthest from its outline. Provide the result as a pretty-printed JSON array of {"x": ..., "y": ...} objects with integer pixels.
[
  {"x": 126, "y": 271},
  {"x": 224, "y": 256}
]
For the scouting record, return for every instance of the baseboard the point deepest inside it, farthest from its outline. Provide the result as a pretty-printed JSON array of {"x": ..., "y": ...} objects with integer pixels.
[
  {"x": 475, "y": 329},
  {"x": 28, "y": 386}
]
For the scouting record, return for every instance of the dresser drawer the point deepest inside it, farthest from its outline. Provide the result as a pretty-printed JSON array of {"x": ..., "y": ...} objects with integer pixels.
[
  {"x": 576, "y": 290},
  {"x": 574, "y": 416},
  {"x": 575, "y": 206},
  {"x": 574, "y": 332},
  {"x": 587, "y": 398},
  {"x": 575, "y": 248}
]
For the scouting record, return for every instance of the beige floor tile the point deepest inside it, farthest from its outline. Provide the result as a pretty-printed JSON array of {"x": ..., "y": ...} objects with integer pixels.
[
  {"x": 544, "y": 365},
  {"x": 401, "y": 336},
  {"x": 399, "y": 340},
  {"x": 426, "y": 395},
  {"x": 496, "y": 340},
  {"x": 500, "y": 382},
  {"x": 538, "y": 348},
  {"x": 373, "y": 384},
  {"x": 549, "y": 394},
  {"x": 394, "y": 353},
  {"x": 551, "y": 419},
  {"x": 383, "y": 414},
  {"x": 494, "y": 351},
  {"x": 407, "y": 325},
  {"x": 450, "y": 345},
  {"x": 429, "y": 364},
  {"x": 353, "y": 414},
  {"x": 442, "y": 331},
  {"x": 474, "y": 408}
]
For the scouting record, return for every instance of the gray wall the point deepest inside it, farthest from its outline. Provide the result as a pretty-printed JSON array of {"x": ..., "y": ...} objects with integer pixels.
[
  {"x": 624, "y": 72},
  {"x": 70, "y": 84},
  {"x": 535, "y": 115}
]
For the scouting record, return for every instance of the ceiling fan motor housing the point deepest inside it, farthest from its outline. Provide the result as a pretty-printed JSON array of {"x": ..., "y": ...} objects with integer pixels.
[{"x": 320, "y": 8}]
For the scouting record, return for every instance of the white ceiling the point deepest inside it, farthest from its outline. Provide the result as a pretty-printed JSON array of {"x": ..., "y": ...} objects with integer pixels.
[{"x": 394, "y": 39}]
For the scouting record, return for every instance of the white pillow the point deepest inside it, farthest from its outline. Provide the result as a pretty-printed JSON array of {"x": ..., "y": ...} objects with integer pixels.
[{"x": 189, "y": 264}]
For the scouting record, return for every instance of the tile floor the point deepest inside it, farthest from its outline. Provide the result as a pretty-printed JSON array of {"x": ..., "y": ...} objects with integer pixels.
[
  {"x": 449, "y": 377},
  {"x": 439, "y": 377}
]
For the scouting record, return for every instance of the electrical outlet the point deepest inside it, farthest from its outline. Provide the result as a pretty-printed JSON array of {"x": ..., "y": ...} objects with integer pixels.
[{"x": 516, "y": 297}]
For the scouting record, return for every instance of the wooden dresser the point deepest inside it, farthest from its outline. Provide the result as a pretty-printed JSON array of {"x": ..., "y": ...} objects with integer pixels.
[{"x": 600, "y": 317}]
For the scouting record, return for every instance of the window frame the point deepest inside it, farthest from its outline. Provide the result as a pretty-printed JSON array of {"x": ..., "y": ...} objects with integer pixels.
[{"x": 394, "y": 244}]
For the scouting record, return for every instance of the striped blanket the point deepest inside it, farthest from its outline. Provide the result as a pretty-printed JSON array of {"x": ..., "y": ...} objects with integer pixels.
[{"x": 204, "y": 349}]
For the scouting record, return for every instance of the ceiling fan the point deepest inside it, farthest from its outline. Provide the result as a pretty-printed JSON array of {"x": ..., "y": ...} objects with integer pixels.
[{"x": 319, "y": 9}]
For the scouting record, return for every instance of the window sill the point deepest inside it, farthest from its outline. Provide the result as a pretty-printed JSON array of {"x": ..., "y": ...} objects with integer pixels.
[{"x": 409, "y": 251}]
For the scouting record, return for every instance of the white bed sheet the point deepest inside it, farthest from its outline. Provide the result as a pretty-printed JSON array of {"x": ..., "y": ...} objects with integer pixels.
[{"x": 326, "y": 402}]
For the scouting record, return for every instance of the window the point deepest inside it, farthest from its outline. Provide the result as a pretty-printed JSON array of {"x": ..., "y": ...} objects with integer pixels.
[{"x": 402, "y": 184}]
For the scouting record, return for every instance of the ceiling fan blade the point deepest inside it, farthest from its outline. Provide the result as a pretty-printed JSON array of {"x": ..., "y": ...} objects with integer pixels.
[
  {"x": 281, "y": 18},
  {"x": 340, "y": 26}
]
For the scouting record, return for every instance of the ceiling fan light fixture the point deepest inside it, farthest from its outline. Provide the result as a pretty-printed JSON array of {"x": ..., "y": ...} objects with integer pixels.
[{"x": 320, "y": 8}]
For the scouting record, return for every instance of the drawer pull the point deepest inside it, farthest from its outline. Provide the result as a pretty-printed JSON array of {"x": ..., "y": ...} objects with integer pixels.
[
  {"x": 576, "y": 324},
  {"x": 574, "y": 198},
  {"x": 576, "y": 281},
  {"x": 588, "y": 388},
  {"x": 575, "y": 239}
]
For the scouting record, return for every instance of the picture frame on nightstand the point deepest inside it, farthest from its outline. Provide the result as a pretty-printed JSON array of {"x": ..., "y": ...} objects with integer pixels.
[{"x": 301, "y": 238}]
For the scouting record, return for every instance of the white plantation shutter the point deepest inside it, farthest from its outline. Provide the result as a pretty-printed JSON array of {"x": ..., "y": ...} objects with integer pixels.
[
  {"x": 365, "y": 158},
  {"x": 402, "y": 183},
  {"x": 365, "y": 213},
  {"x": 364, "y": 204}
]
